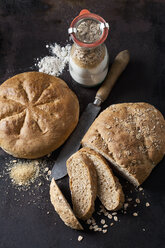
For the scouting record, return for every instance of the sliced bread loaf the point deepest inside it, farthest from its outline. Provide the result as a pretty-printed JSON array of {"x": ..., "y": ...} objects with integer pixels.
[
  {"x": 83, "y": 185},
  {"x": 62, "y": 207},
  {"x": 109, "y": 190},
  {"x": 131, "y": 136}
]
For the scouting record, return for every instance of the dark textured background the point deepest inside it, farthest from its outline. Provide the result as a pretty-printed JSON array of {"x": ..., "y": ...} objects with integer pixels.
[{"x": 26, "y": 26}]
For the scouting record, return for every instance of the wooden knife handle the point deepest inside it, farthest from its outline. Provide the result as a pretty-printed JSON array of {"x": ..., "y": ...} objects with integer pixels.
[{"x": 118, "y": 66}]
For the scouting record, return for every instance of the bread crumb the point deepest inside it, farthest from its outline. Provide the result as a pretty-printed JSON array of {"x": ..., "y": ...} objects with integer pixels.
[
  {"x": 143, "y": 229},
  {"x": 135, "y": 214},
  {"x": 104, "y": 231},
  {"x": 102, "y": 221},
  {"x": 147, "y": 204},
  {"x": 80, "y": 238},
  {"x": 112, "y": 224}
]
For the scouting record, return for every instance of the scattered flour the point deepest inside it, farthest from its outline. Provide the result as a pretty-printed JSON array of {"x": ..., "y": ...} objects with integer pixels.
[{"x": 56, "y": 62}]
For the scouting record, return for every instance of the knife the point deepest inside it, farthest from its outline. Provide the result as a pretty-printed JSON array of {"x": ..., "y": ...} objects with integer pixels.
[{"x": 73, "y": 143}]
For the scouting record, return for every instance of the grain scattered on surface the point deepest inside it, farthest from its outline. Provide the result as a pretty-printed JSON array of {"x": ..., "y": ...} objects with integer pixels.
[
  {"x": 23, "y": 173},
  {"x": 126, "y": 206},
  {"x": 114, "y": 213},
  {"x": 137, "y": 200},
  {"x": 109, "y": 216},
  {"x": 80, "y": 238},
  {"x": 89, "y": 221},
  {"x": 102, "y": 221},
  {"x": 115, "y": 218},
  {"x": 129, "y": 199},
  {"x": 105, "y": 226}
]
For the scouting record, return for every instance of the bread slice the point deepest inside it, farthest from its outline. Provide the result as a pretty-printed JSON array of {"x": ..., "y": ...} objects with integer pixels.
[
  {"x": 83, "y": 185},
  {"x": 109, "y": 190},
  {"x": 131, "y": 136},
  {"x": 62, "y": 207}
]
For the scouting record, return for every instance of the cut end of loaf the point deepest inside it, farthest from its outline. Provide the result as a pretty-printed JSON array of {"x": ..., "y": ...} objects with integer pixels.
[
  {"x": 109, "y": 190},
  {"x": 115, "y": 166}
]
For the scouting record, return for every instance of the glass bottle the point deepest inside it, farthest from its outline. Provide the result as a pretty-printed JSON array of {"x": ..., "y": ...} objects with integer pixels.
[{"x": 88, "y": 63}]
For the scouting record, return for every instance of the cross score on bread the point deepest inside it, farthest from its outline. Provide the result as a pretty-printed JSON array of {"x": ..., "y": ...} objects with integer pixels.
[{"x": 37, "y": 114}]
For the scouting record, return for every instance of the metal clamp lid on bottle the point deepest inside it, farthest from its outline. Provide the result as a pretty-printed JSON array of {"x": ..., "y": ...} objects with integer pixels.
[
  {"x": 103, "y": 25},
  {"x": 87, "y": 15}
]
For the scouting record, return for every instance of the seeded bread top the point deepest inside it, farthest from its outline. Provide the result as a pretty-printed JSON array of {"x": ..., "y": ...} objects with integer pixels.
[{"x": 131, "y": 135}]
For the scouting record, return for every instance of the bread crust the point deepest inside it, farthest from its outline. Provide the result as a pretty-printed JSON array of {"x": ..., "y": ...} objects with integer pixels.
[
  {"x": 109, "y": 190},
  {"x": 131, "y": 136},
  {"x": 38, "y": 112},
  {"x": 83, "y": 185},
  {"x": 62, "y": 207}
]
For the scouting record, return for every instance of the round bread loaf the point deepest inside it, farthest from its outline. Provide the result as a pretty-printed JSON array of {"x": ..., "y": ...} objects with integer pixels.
[
  {"x": 131, "y": 136},
  {"x": 37, "y": 114}
]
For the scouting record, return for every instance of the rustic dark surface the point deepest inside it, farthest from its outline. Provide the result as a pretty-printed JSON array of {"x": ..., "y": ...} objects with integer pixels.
[{"x": 27, "y": 219}]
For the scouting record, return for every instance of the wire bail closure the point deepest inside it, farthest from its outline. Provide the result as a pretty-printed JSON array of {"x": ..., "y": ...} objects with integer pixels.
[
  {"x": 103, "y": 25},
  {"x": 87, "y": 15}
]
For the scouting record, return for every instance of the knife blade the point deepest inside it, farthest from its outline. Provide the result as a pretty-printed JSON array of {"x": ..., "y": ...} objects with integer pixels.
[{"x": 73, "y": 143}]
